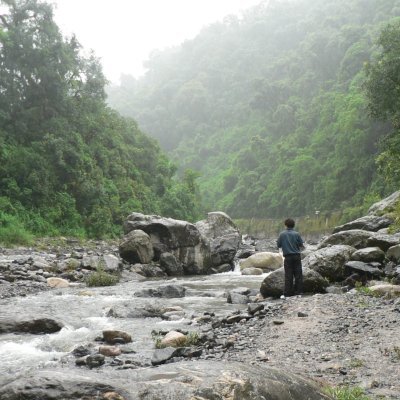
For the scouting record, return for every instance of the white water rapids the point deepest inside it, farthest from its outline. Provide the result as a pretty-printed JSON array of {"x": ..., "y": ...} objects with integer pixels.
[{"x": 83, "y": 312}]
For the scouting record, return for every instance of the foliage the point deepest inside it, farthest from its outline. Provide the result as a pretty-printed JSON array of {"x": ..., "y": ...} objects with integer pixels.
[
  {"x": 101, "y": 278},
  {"x": 270, "y": 108},
  {"x": 347, "y": 393},
  {"x": 192, "y": 339},
  {"x": 69, "y": 165}
]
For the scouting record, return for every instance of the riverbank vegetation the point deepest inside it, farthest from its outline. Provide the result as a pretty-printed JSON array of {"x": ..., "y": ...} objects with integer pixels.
[{"x": 70, "y": 165}]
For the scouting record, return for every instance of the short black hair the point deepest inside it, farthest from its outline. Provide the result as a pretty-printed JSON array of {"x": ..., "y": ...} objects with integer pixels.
[{"x": 289, "y": 222}]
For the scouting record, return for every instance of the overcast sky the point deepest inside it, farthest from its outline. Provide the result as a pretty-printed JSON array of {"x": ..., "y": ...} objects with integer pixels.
[{"x": 122, "y": 33}]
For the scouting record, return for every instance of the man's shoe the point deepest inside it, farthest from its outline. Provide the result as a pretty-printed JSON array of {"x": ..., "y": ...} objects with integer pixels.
[{"x": 283, "y": 297}]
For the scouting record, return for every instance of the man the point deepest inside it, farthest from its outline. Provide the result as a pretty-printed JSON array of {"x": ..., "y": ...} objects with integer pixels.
[{"x": 291, "y": 244}]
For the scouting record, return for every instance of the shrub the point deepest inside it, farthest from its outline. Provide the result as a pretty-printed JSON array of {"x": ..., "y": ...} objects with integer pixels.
[
  {"x": 101, "y": 278},
  {"x": 12, "y": 232},
  {"x": 347, "y": 393}
]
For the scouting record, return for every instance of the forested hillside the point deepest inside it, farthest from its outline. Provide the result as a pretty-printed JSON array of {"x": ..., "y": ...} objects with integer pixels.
[
  {"x": 271, "y": 108},
  {"x": 68, "y": 163}
]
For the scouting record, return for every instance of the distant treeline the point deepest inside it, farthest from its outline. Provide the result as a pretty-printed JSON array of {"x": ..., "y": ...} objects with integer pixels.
[{"x": 275, "y": 109}]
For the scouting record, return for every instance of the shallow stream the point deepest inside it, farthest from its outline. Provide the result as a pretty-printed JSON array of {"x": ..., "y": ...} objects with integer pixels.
[{"x": 83, "y": 312}]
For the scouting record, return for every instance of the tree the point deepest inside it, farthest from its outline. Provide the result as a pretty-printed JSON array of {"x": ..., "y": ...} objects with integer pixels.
[{"x": 383, "y": 91}]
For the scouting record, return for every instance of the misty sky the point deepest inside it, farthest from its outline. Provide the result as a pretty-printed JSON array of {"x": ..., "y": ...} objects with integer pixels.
[{"x": 124, "y": 32}]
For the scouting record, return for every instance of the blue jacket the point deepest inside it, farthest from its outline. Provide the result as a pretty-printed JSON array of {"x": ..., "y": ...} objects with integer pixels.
[{"x": 290, "y": 242}]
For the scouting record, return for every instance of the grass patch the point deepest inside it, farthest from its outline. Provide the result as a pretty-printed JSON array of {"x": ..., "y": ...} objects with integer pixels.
[
  {"x": 365, "y": 290},
  {"x": 356, "y": 363},
  {"x": 15, "y": 236},
  {"x": 192, "y": 339},
  {"x": 101, "y": 278},
  {"x": 347, "y": 393}
]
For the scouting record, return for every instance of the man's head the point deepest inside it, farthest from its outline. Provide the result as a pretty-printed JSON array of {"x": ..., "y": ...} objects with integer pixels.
[{"x": 289, "y": 223}]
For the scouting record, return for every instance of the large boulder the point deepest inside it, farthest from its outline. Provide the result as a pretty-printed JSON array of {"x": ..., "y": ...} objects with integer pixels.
[
  {"x": 383, "y": 241},
  {"x": 357, "y": 238},
  {"x": 367, "y": 223},
  {"x": 386, "y": 205},
  {"x": 369, "y": 254},
  {"x": 178, "y": 381},
  {"x": 265, "y": 260},
  {"x": 197, "y": 248},
  {"x": 35, "y": 326},
  {"x": 136, "y": 247},
  {"x": 222, "y": 235},
  {"x": 273, "y": 284},
  {"x": 329, "y": 261}
]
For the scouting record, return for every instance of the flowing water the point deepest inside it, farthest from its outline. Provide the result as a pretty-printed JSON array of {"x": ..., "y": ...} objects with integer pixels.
[{"x": 83, "y": 312}]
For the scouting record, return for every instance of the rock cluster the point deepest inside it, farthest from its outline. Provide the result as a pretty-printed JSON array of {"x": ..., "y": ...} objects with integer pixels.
[
  {"x": 355, "y": 254},
  {"x": 178, "y": 247}
]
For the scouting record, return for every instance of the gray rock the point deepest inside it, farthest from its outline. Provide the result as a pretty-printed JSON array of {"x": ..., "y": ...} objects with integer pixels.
[
  {"x": 329, "y": 261},
  {"x": 136, "y": 247},
  {"x": 236, "y": 298},
  {"x": 111, "y": 263},
  {"x": 367, "y": 223},
  {"x": 383, "y": 241},
  {"x": 356, "y": 238},
  {"x": 386, "y": 205},
  {"x": 273, "y": 284},
  {"x": 160, "y": 356},
  {"x": 363, "y": 269},
  {"x": 166, "y": 291},
  {"x": 34, "y": 326},
  {"x": 393, "y": 253},
  {"x": 369, "y": 254},
  {"x": 170, "y": 264}
]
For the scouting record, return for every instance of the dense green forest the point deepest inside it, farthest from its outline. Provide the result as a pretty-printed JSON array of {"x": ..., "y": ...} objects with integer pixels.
[
  {"x": 68, "y": 163},
  {"x": 282, "y": 110}
]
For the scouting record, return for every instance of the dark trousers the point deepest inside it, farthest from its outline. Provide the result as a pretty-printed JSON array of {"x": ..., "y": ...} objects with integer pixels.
[{"x": 293, "y": 270}]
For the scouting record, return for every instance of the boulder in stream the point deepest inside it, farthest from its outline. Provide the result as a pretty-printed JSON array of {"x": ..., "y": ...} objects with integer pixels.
[{"x": 178, "y": 381}]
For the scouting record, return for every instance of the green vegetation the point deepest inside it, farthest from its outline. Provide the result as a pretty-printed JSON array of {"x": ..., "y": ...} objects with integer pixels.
[
  {"x": 272, "y": 108},
  {"x": 101, "y": 278},
  {"x": 69, "y": 165},
  {"x": 347, "y": 393},
  {"x": 192, "y": 339}
]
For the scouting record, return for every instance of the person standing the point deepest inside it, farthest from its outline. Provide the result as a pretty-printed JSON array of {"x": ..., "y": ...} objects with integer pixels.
[{"x": 291, "y": 244}]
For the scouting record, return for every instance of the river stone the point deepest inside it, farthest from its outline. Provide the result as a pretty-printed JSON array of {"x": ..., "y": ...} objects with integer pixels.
[
  {"x": 369, "y": 254},
  {"x": 34, "y": 326},
  {"x": 367, "y": 223},
  {"x": 267, "y": 261},
  {"x": 109, "y": 336},
  {"x": 111, "y": 263},
  {"x": 223, "y": 237},
  {"x": 95, "y": 360},
  {"x": 177, "y": 381},
  {"x": 59, "y": 283},
  {"x": 110, "y": 351},
  {"x": 173, "y": 339},
  {"x": 53, "y": 385},
  {"x": 273, "y": 284},
  {"x": 170, "y": 264},
  {"x": 237, "y": 298},
  {"x": 329, "y": 261},
  {"x": 383, "y": 241},
  {"x": 356, "y": 238},
  {"x": 166, "y": 291},
  {"x": 386, "y": 289},
  {"x": 393, "y": 253},
  {"x": 362, "y": 269},
  {"x": 136, "y": 247},
  {"x": 252, "y": 271}
]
